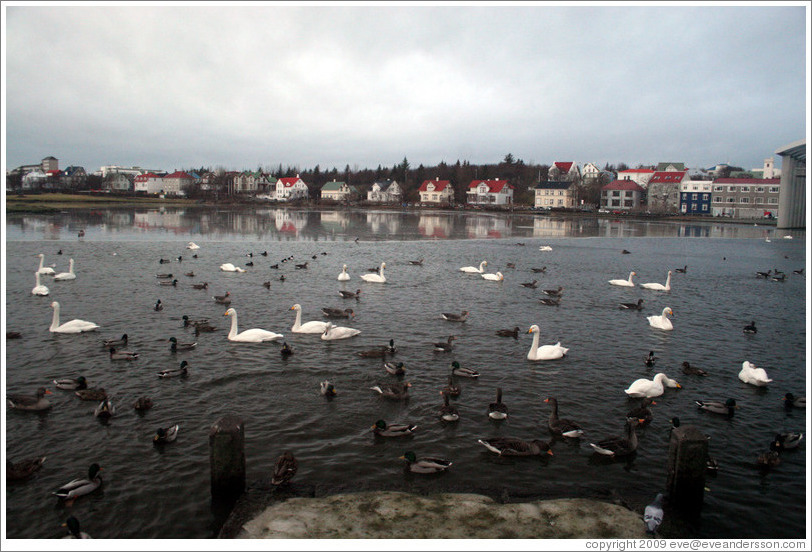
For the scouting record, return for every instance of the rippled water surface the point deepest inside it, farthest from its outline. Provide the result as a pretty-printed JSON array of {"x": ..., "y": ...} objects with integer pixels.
[{"x": 164, "y": 492}]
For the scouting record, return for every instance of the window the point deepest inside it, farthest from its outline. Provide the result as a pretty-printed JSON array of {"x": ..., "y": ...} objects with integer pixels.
[
  {"x": 704, "y": 207},
  {"x": 717, "y": 200},
  {"x": 615, "y": 203},
  {"x": 615, "y": 193},
  {"x": 772, "y": 200},
  {"x": 745, "y": 188},
  {"x": 731, "y": 200},
  {"x": 759, "y": 200},
  {"x": 744, "y": 200},
  {"x": 774, "y": 189},
  {"x": 628, "y": 203},
  {"x": 718, "y": 188},
  {"x": 694, "y": 197},
  {"x": 731, "y": 188},
  {"x": 696, "y": 187},
  {"x": 760, "y": 189},
  {"x": 684, "y": 197}
]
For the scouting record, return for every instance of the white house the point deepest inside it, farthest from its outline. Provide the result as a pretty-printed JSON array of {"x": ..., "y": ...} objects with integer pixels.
[
  {"x": 291, "y": 188},
  {"x": 149, "y": 183},
  {"x": 388, "y": 191},
  {"x": 590, "y": 172},
  {"x": 436, "y": 191},
  {"x": 490, "y": 192},
  {"x": 640, "y": 176},
  {"x": 34, "y": 179},
  {"x": 564, "y": 171}
]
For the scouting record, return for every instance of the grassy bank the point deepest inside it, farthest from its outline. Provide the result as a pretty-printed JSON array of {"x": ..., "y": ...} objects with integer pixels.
[{"x": 49, "y": 203}]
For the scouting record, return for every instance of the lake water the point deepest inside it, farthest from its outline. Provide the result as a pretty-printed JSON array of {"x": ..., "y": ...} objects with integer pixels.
[{"x": 164, "y": 492}]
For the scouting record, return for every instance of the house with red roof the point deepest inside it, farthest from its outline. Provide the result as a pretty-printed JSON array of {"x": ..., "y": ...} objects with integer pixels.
[
  {"x": 641, "y": 176},
  {"x": 622, "y": 195},
  {"x": 149, "y": 183},
  {"x": 663, "y": 191},
  {"x": 564, "y": 171},
  {"x": 490, "y": 192},
  {"x": 436, "y": 192},
  {"x": 291, "y": 188},
  {"x": 176, "y": 183}
]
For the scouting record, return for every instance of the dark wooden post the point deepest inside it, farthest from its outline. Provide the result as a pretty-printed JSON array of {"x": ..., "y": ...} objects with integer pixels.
[
  {"x": 227, "y": 457},
  {"x": 687, "y": 462}
]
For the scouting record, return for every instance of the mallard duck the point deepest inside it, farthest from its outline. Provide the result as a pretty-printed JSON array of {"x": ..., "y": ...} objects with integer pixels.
[
  {"x": 452, "y": 317},
  {"x": 337, "y": 313},
  {"x": 105, "y": 410},
  {"x": 727, "y": 408},
  {"x": 554, "y": 292},
  {"x": 266, "y": 285},
  {"x": 426, "y": 464},
  {"x": 772, "y": 457},
  {"x": 71, "y": 384},
  {"x": 286, "y": 350},
  {"x": 379, "y": 352},
  {"x": 74, "y": 529},
  {"x": 692, "y": 370},
  {"x": 539, "y": 270},
  {"x": 17, "y": 471},
  {"x": 158, "y": 306},
  {"x": 650, "y": 360},
  {"x": 561, "y": 426},
  {"x": 498, "y": 410},
  {"x": 204, "y": 285},
  {"x": 182, "y": 370},
  {"x": 222, "y": 299},
  {"x": 107, "y": 343},
  {"x": 791, "y": 401},
  {"x": 97, "y": 394},
  {"x": 349, "y": 294},
  {"x": 750, "y": 328},
  {"x": 190, "y": 274},
  {"x": 165, "y": 434},
  {"x": 633, "y": 306},
  {"x": 275, "y": 266},
  {"x": 285, "y": 469},
  {"x": 163, "y": 276},
  {"x": 789, "y": 440},
  {"x": 447, "y": 412},
  {"x": 395, "y": 391},
  {"x": 447, "y": 346},
  {"x": 531, "y": 285},
  {"x": 457, "y": 370},
  {"x": 327, "y": 389},
  {"x": 173, "y": 283},
  {"x": 204, "y": 327},
  {"x": 35, "y": 402},
  {"x": 122, "y": 355},
  {"x": 619, "y": 446},
  {"x": 681, "y": 270},
  {"x": 394, "y": 368},
  {"x": 81, "y": 487},
  {"x": 382, "y": 429},
  {"x": 550, "y": 302},
  {"x": 143, "y": 404},
  {"x": 302, "y": 265},
  {"x": 416, "y": 263},
  {"x": 179, "y": 347},
  {"x": 450, "y": 389},
  {"x": 187, "y": 321},
  {"x": 514, "y": 333},
  {"x": 643, "y": 412},
  {"x": 510, "y": 446}
]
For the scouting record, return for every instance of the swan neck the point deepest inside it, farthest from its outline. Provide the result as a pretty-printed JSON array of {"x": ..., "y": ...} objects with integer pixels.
[
  {"x": 297, "y": 324},
  {"x": 233, "y": 331},
  {"x": 535, "y": 346},
  {"x": 55, "y": 319}
]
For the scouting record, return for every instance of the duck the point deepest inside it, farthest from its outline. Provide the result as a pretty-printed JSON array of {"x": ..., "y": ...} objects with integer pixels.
[
  {"x": 121, "y": 342},
  {"x": 343, "y": 277},
  {"x": 59, "y": 252},
  {"x": 531, "y": 285},
  {"x": 177, "y": 347},
  {"x": 753, "y": 375},
  {"x": 69, "y": 384},
  {"x": 655, "y": 387},
  {"x": 394, "y": 368},
  {"x": 286, "y": 350},
  {"x": 264, "y": 253},
  {"x": 416, "y": 263},
  {"x": 81, "y": 234},
  {"x": 498, "y": 277},
  {"x": 275, "y": 266},
  {"x": 692, "y": 370},
  {"x": 514, "y": 333},
  {"x": 105, "y": 410},
  {"x": 799, "y": 272},
  {"x": 541, "y": 270},
  {"x": 619, "y": 446},
  {"x": 122, "y": 355},
  {"x": 284, "y": 469},
  {"x": 266, "y": 285},
  {"x": 192, "y": 245},
  {"x": 158, "y": 306},
  {"x": 249, "y": 263},
  {"x": 228, "y": 267},
  {"x": 189, "y": 321},
  {"x": 561, "y": 426},
  {"x": 95, "y": 394},
  {"x": 626, "y": 252},
  {"x": 163, "y": 261},
  {"x": 769, "y": 458},
  {"x": 375, "y": 278},
  {"x": 661, "y": 322},
  {"x": 302, "y": 266},
  {"x": 332, "y": 333},
  {"x": 750, "y": 328},
  {"x": 13, "y": 335},
  {"x": 453, "y": 317},
  {"x": 445, "y": 346},
  {"x": 164, "y": 276},
  {"x": 39, "y": 289},
  {"x": 682, "y": 270},
  {"x": 182, "y": 370},
  {"x": 653, "y": 514},
  {"x": 457, "y": 370},
  {"x": 330, "y": 312},
  {"x": 650, "y": 360},
  {"x": 545, "y": 352},
  {"x": 643, "y": 412},
  {"x": 312, "y": 327},
  {"x": 473, "y": 269},
  {"x": 728, "y": 408},
  {"x": 450, "y": 389},
  {"x": 511, "y": 446},
  {"x": 379, "y": 352},
  {"x": 791, "y": 401},
  {"x": 64, "y": 276},
  {"x": 327, "y": 389},
  {"x": 350, "y": 294},
  {"x": 448, "y": 413},
  {"x": 396, "y": 391},
  {"x": 633, "y": 306},
  {"x": 656, "y": 286},
  {"x": 624, "y": 283},
  {"x": 425, "y": 464},
  {"x": 254, "y": 335},
  {"x": 35, "y": 403},
  {"x": 42, "y": 268},
  {"x": 142, "y": 404},
  {"x": 165, "y": 434},
  {"x": 82, "y": 486},
  {"x": 498, "y": 410},
  {"x": 789, "y": 440},
  {"x": 383, "y": 429},
  {"x": 71, "y": 327},
  {"x": 173, "y": 283},
  {"x": 545, "y": 248},
  {"x": 204, "y": 285},
  {"x": 17, "y": 471},
  {"x": 762, "y": 274},
  {"x": 550, "y": 302}
]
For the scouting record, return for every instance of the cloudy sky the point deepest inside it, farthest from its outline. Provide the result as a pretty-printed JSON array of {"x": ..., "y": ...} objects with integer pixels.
[{"x": 166, "y": 87}]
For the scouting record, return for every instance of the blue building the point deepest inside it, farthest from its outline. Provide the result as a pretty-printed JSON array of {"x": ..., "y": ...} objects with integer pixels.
[{"x": 695, "y": 197}]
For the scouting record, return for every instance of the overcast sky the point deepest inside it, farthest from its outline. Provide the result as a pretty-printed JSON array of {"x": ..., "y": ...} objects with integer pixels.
[{"x": 165, "y": 87}]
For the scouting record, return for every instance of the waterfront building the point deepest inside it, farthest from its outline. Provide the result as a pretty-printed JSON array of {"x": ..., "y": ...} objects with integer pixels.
[
  {"x": 622, "y": 195},
  {"x": 176, "y": 183},
  {"x": 291, "y": 188},
  {"x": 564, "y": 171},
  {"x": 695, "y": 197},
  {"x": 148, "y": 183},
  {"x": 745, "y": 197},
  {"x": 792, "y": 198},
  {"x": 640, "y": 176},
  {"x": 554, "y": 194},
  {"x": 73, "y": 177},
  {"x": 436, "y": 192},
  {"x": 338, "y": 191},
  {"x": 663, "y": 191},
  {"x": 388, "y": 191},
  {"x": 490, "y": 192}
]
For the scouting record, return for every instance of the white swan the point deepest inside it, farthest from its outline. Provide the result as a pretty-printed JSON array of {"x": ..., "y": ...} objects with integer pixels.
[
  {"x": 228, "y": 267},
  {"x": 658, "y": 286},
  {"x": 343, "y": 277},
  {"x": 338, "y": 332},
  {"x": 44, "y": 269},
  {"x": 312, "y": 327},
  {"x": 625, "y": 283},
  {"x": 254, "y": 335},
  {"x": 498, "y": 277},
  {"x": 39, "y": 289},
  {"x": 378, "y": 278},
  {"x": 69, "y": 275},
  {"x": 192, "y": 245},
  {"x": 752, "y": 375},
  {"x": 661, "y": 322},
  {"x": 545, "y": 248},
  {"x": 473, "y": 269},
  {"x": 643, "y": 387},
  {"x": 74, "y": 326},
  {"x": 545, "y": 352}
]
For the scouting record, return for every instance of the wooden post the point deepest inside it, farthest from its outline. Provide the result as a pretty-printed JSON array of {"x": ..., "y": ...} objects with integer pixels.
[
  {"x": 687, "y": 462},
  {"x": 227, "y": 457}
]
